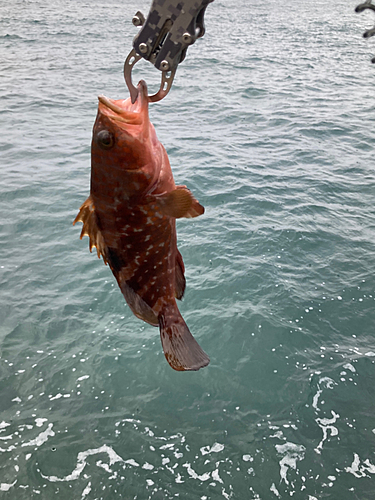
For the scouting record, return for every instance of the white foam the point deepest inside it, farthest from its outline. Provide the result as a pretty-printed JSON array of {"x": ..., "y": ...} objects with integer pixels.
[
  {"x": 41, "y": 438},
  {"x": 274, "y": 490},
  {"x": 6, "y": 438},
  {"x": 7, "y": 486},
  {"x": 216, "y": 477},
  {"x": 10, "y": 448},
  {"x": 324, "y": 383},
  {"x": 194, "y": 475},
  {"x": 350, "y": 367},
  {"x": 147, "y": 466},
  {"x": 86, "y": 491},
  {"x": 292, "y": 452},
  {"x": 167, "y": 446},
  {"x": 224, "y": 493},
  {"x": 104, "y": 466},
  {"x": 326, "y": 424},
  {"x": 58, "y": 396},
  {"x": 278, "y": 435},
  {"x": 132, "y": 462},
  {"x": 354, "y": 468},
  {"x": 216, "y": 448},
  {"x": 359, "y": 470},
  {"x": 81, "y": 463},
  {"x": 131, "y": 420},
  {"x": 40, "y": 421}
]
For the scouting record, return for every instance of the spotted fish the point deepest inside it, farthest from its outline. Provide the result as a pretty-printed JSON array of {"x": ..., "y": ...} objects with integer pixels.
[{"x": 130, "y": 217}]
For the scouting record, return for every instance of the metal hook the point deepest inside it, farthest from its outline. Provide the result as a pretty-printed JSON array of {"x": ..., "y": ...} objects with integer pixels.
[{"x": 166, "y": 79}]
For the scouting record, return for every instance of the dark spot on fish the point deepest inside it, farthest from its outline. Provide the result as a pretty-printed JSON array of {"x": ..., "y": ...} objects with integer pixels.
[
  {"x": 105, "y": 139},
  {"x": 115, "y": 260}
]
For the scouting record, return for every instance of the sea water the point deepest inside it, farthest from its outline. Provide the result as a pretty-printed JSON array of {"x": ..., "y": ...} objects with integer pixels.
[{"x": 270, "y": 123}]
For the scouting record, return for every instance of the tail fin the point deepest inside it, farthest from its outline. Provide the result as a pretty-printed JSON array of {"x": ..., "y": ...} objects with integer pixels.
[{"x": 181, "y": 349}]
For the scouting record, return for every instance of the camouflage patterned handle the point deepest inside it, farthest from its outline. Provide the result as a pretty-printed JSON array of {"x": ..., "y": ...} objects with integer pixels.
[
  {"x": 171, "y": 26},
  {"x": 371, "y": 32}
]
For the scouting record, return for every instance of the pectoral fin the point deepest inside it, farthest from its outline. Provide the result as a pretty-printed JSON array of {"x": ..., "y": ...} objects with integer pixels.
[
  {"x": 90, "y": 228},
  {"x": 179, "y": 203}
]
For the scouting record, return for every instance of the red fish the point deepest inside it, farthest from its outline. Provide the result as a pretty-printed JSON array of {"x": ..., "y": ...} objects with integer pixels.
[{"x": 130, "y": 217}]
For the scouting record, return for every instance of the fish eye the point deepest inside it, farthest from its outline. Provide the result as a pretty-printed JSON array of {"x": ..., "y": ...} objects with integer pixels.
[{"x": 105, "y": 139}]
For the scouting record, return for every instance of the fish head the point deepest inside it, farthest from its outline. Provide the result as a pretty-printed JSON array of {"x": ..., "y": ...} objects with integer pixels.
[{"x": 123, "y": 136}]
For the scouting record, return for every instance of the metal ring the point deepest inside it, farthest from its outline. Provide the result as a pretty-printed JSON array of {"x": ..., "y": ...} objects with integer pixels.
[
  {"x": 166, "y": 79},
  {"x": 132, "y": 58},
  {"x": 165, "y": 87}
]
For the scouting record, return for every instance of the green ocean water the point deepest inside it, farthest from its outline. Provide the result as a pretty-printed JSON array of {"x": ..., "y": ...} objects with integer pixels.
[{"x": 270, "y": 123}]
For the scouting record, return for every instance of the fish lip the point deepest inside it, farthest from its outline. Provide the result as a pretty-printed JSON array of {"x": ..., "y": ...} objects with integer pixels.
[
  {"x": 130, "y": 112},
  {"x": 109, "y": 104}
]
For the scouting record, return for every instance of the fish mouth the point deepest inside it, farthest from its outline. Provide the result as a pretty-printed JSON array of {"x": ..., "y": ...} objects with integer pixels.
[{"x": 123, "y": 110}]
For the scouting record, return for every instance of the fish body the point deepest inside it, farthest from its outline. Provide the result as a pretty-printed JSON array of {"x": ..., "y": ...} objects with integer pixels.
[{"x": 130, "y": 217}]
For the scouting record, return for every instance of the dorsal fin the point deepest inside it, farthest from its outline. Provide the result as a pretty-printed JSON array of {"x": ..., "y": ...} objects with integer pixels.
[
  {"x": 179, "y": 203},
  {"x": 90, "y": 228}
]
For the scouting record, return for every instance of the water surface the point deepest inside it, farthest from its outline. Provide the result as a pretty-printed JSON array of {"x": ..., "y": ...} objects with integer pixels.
[{"x": 270, "y": 124}]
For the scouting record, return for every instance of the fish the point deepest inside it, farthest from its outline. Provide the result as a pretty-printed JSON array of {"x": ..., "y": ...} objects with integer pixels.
[{"x": 130, "y": 218}]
